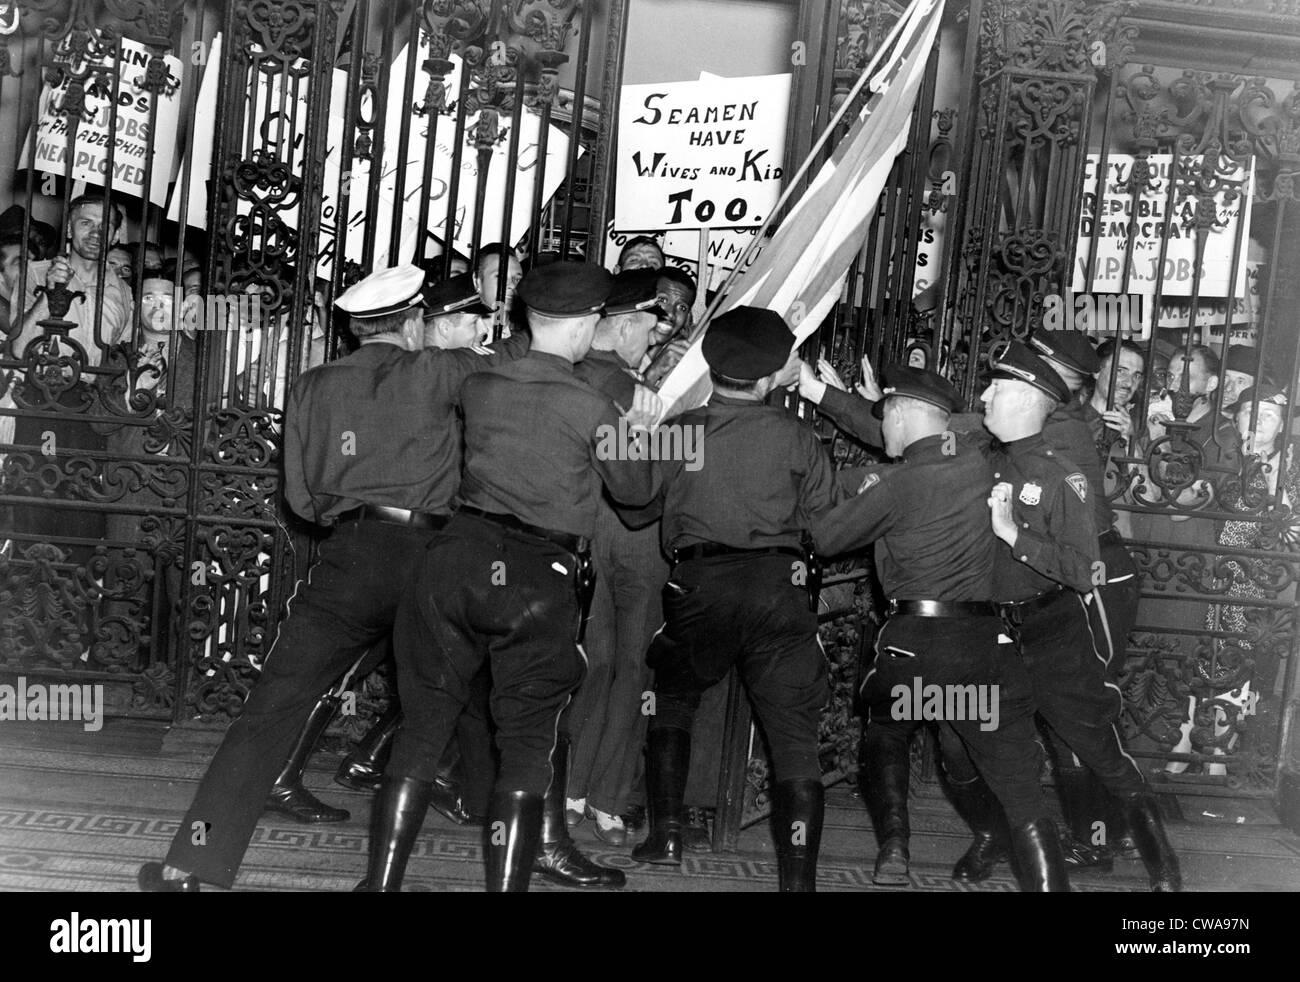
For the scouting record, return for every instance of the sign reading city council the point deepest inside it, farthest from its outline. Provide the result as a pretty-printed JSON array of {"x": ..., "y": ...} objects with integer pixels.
[{"x": 703, "y": 154}]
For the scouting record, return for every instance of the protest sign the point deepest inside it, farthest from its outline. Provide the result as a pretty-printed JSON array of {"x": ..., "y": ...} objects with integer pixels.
[
  {"x": 700, "y": 154},
  {"x": 1121, "y": 216},
  {"x": 134, "y": 133}
]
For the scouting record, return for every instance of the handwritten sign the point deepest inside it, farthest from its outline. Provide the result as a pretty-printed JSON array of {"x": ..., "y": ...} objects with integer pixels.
[
  {"x": 1115, "y": 216},
  {"x": 134, "y": 133},
  {"x": 700, "y": 154}
]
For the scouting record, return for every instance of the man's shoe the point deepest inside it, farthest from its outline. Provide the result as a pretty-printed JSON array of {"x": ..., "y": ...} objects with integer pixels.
[
  {"x": 151, "y": 880},
  {"x": 976, "y": 803},
  {"x": 303, "y": 806},
  {"x": 609, "y": 828},
  {"x": 1079, "y": 856},
  {"x": 892, "y": 863},
  {"x": 447, "y": 802},
  {"x": 575, "y": 810},
  {"x": 695, "y": 831},
  {"x": 563, "y": 863}
]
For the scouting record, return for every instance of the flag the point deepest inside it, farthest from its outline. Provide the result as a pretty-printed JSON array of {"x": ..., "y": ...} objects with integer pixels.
[{"x": 800, "y": 272}]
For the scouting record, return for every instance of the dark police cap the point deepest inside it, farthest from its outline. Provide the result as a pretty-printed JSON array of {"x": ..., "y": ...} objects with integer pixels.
[
  {"x": 566, "y": 289},
  {"x": 1242, "y": 358},
  {"x": 747, "y": 343},
  {"x": 918, "y": 383},
  {"x": 634, "y": 291},
  {"x": 1017, "y": 362},
  {"x": 1071, "y": 348},
  {"x": 454, "y": 295},
  {"x": 1267, "y": 394}
]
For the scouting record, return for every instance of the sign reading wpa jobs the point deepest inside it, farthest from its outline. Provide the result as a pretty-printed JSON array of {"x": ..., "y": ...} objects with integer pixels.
[{"x": 703, "y": 154}]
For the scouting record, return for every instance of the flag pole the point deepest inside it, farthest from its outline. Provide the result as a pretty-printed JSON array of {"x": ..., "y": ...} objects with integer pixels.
[{"x": 803, "y": 170}]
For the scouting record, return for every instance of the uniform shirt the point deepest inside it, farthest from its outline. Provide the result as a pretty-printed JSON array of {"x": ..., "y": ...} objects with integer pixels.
[
  {"x": 379, "y": 427},
  {"x": 1057, "y": 543},
  {"x": 763, "y": 475},
  {"x": 608, "y": 373},
  {"x": 114, "y": 318},
  {"x": 1073, "y": 431},
  {"x": 930, "y": 514},
  {"x": 531, "y": 433}
]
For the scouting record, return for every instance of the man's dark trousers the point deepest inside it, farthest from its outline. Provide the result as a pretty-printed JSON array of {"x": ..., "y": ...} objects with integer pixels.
[
  {"x": 488, "y": 592},
  {"x": 344, "y": 607}
]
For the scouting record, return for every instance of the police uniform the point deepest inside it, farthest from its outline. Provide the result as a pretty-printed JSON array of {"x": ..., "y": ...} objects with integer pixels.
[
  {"x": 928, "y": 516},
  {"x": 734, "y": 529},
  {"x": 606, "y": 721},
  {"x": 1045, "y": 577},
  {"x": 504, "y": 583},
  {"x": 371, "y": 449}
]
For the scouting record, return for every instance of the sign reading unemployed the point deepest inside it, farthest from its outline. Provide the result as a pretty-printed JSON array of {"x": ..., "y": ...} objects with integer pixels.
[
  {"x": 1122, "y": 216},
  {"x": 700, "y": 154},
  {"x": 134, "y": 133}
]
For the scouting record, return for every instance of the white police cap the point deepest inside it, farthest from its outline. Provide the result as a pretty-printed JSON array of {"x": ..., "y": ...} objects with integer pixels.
[{"x": 388, "y": 291}]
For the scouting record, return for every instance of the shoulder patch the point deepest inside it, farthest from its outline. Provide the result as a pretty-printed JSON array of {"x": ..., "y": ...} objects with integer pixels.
[
  {"x": 868, "y": 482},
  {"x": 1080, "y": 485}
]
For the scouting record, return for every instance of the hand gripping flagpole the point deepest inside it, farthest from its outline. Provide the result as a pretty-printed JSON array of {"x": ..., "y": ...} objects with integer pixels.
[{"x": 909, "y": 15}]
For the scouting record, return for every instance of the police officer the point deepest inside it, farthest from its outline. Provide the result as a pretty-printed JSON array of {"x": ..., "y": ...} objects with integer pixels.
[
  {"x": 1076, "y": 430},
  {"x": 507, "y": 582},
  {"x": 371, "y": 450},
  {"x": 928, "y": 514},
  {"x": 626, "y": 609},
  {"x": 734, "y": 528},
  {"x": 1040, "y": 510}
]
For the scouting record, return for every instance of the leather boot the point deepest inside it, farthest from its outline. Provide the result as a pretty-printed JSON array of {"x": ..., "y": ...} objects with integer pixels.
[
  {"x": 363, "y": 769},
  {"x": 668, "y": 756},
  {"x": 798, "y": 808},
  {"x": 1122, "y": 843},
  {"x": 885, "y": 787},
  {"x": 1143, "y": 816},
  {"x": 559, "y": 858},
  {"x": 1084, "y": 801},
  {"x": 514, "y": 828},
  {"x": 399, "y": 813},
  {"x": 288, "y": 796},
  {"x": 1039, "y": 858},
  {"x": 976, "y": 803}
]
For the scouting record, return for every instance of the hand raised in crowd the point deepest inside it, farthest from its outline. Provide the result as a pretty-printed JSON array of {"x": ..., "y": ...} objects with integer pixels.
[
  {"x": 869, "y": 388},
  {"x": 646, "y": 409},
  {"x": 826, "y": 372},
  {"x": 788, "y": 377},
  {"x": 1120, "y": 421},
  {"x": 810, "y": 386},
  {"x": 1004, "y": 521},
  {"x": 676, "y": 351},
  {"x": 60, "y": 272}
]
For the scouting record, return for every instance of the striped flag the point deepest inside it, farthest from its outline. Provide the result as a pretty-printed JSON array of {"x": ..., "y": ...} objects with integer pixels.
[{"x": 800, "y": 272}]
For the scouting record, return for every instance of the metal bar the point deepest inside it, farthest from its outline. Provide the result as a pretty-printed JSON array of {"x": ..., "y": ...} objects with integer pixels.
[
  {"x": 732, "y": 767},
  {"x": 617, "y": 15},
  {"x": 346, "y": 151},
  {"x": 457, "y": 154},
  {"x": 538, "y": 207},
  {"x": 381, "y": 125},
  {"x": 404, "y": 136}
]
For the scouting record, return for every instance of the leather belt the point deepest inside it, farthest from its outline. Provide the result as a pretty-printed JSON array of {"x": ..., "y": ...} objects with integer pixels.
[
  {"x": 576, "y": 544},
  {"x": 942, "y": 608},
  {"x": 393, "y": 516},
  {"x": 708, "y": 550},
  {"x": 1037, "y": 602}
]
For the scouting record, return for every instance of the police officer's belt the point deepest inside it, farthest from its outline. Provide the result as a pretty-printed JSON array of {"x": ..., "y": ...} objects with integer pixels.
[
  {"x": 941, "y": 608},
  {"x": 575, "y": 544},
  {"x": 393, "y": 516},
  {"x": 1036, "y": 602},
  {"x": 707, "y": 550}
]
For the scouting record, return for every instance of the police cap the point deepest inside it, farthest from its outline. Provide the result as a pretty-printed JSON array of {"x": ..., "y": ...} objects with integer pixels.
[
  {"x": 565, "y": 289},
  {"x": 747, "y": 343},
  {"x": 1017, "y": 362},
  {"x": 1071, "y": 348},
  {"x": 388, "y": 291},
  {"x": 454, "y": 295},
  {"x": 918, "y": 383},
  {"x": 634, "y": 291}
]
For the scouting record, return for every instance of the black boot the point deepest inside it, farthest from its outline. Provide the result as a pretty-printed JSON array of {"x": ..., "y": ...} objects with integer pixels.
[
  {"x": 559, "y": 858},
  {"x": 288, "y": 796},
  {"x": 1084, "y": 802},
  {"x": 363, "y": 769},
  {"x": 1039, "y": 859},
  {"x": 887, "y": 774},
  {"x": 1143, "y": 816},
  {"x": 668, "y": 756},
  {"x": 976, "y": 803},
  {"x": 798, "y": 808},
  {"x": 399, "y": 813},
  {"x": 514, "y": 828}
]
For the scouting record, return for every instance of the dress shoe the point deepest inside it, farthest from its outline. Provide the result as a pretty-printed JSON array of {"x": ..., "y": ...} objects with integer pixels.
[
  {"x": 447, "y": 802},
  {"x": 575, "y": 810},
  {"x": 303, "y": 806},
  {"x": 892, "y": 864},
  {"x": 1079, "y": 856},
  {"x": 695, "y": 831},
  {"x": 151, "y": 880},
  {"x": 609, "y": 828},
  {"x": 558, "y": 857}
]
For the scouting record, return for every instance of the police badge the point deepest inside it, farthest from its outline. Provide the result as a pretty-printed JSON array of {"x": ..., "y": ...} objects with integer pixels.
[{"x": 1031, "y": 493}]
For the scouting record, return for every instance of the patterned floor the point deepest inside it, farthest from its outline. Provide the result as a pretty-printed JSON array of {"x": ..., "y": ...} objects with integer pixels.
[{"x": 82, "y": 811}]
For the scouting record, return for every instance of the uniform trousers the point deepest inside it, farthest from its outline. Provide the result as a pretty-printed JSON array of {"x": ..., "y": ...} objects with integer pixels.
[
  {"x": 960, "y": 656},
  {"x": 605, "y": 719},
  {"x": 343, "y": 608},
  {"x": 487, "y": 593},
  {"x": 744, "y": 610}
]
